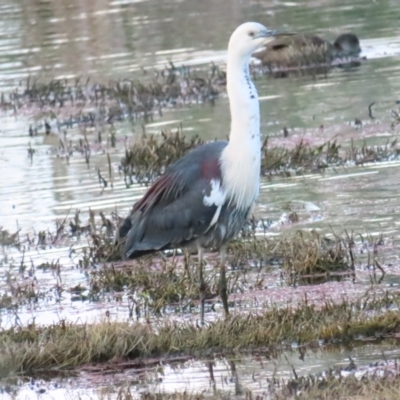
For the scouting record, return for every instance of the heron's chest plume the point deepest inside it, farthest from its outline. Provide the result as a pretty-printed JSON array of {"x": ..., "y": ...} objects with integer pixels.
[{"x": 240, "y": 167}]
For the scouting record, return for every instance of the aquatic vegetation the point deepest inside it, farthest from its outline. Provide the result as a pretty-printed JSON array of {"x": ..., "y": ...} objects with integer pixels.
[
  {"x": 304, "y": 158},
  {"x": 64, "y": 103},
  {"x": 310, "y": 257},
  {"x": 34, "y": 349},
  {"x": 396, "y": 119},
  {"x": 301, "y": 158},
  {"x": 177, "y": 395},
  {"x": 327, "y": 385},
  {"x": 162, "y": 283},
  {"x": 16, "y": 293},
  {"x": 383, "y": 384},
  {"x": 360, "y": 155},
  {"x": 155, "y": 285},
  {"x": 147, "y": 158},
  {"x": 303, "y": 256},
  {"x": 149, "y": 155},
  {"x": 9, "y": 239}
]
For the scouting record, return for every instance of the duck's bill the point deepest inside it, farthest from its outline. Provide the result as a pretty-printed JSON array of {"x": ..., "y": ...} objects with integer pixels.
[
  {"x": 277, "y": 35},
  {"x": 280, "y": 34}
]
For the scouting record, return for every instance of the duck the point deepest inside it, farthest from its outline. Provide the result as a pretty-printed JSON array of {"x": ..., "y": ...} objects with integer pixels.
[
  {"x": 346, "y": 45},
  {"x": 300, "y": 49}
]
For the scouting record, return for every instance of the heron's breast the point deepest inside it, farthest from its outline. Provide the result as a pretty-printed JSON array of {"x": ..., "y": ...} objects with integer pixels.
[
  {"x": 241, "y": 173},
  {"x": 217, "y": 194}
]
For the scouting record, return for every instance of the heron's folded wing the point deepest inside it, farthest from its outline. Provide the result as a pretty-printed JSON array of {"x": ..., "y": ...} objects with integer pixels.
[{"x": 179, "y": 206}]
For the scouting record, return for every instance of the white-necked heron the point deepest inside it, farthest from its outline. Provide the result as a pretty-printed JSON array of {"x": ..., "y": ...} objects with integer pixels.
[{"x": 204, "y": 198}]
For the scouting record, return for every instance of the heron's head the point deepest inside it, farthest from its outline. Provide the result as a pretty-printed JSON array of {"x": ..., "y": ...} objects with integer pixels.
[{"x": 248, "y": 38}]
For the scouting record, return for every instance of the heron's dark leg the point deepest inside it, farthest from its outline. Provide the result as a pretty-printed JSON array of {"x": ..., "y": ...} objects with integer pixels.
[
  {"x": 202, "y": 284},
  {"x": 223, "y": 286}
]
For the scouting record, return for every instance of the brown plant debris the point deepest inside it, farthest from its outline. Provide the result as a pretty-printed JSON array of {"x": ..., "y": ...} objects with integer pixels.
[
  {"x": 148, "y": 157},
  {"x": 32, "y": 349},
  {"x": 304, "y": 256},
  {"x": 324, "y": 386},
  {"x": 310, "y": 257},
  {"x": 384, "y": 385},
  {"x": 9, "y": 239},
  {"x": 155, "y": 286},
  {"x": 131, "y": 99}
]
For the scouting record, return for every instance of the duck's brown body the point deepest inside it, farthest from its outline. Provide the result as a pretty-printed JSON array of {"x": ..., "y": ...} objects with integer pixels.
[{"x": 302, "y": 49}]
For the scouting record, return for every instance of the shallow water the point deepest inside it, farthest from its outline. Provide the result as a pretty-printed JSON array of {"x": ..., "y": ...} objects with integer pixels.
[
  {"x": 113, "y": 40},
  {"x": 234, "y": 376}
]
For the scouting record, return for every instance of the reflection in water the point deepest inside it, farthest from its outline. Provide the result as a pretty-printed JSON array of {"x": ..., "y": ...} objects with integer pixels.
[
  {"x": 114, "y": 39},
  {"x": 235, "y": 376}
]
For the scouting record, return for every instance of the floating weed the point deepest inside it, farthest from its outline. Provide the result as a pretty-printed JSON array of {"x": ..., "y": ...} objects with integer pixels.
[
  {"x": 53, "y": 265},
  {"x": 303, "y": 157},
  {"x": 118, "y": 100},
  {"x": 385, "y": 384},
  {"x": 177, "y": 396},
  {"x": 9, "y": 239},
  {"x": 148, "y": 157},
  {"x": 255, "y": 251},
  {"x": 396, "y": 119},
  {"x": 155, "y": 284},
  {"x": 75, "y": 225},
  {"x": 323, "y": 386},
  {"x": 305, "y": 257},
  {"x": 16, "y": 294},
  {"x": 32, "y": 349},
  {"x": 312, "y": 258},
  {"x": 7, "y": 301},
  {"x": 360, "y": 155},
  {"x": 100, "y": 248},
  {"x": 306, "y": 158},
  {"x": 125, "y": 393}
]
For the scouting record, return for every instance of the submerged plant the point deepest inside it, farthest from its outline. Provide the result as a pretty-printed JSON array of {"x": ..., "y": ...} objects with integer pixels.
[
  {"x": 301, "y": 158},
  {"x": 384, "y": 383},
  {"x": 9, "y": 239},
  {"x": 148, "y": 157},
  {"x": 34, "y": 349},
  {"x": 154, "y": 285},
  {"x": 312, "y": 258}
]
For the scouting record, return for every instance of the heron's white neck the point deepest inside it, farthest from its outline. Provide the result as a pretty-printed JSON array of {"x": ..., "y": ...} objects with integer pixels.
[{"x": 241, "y": 159}]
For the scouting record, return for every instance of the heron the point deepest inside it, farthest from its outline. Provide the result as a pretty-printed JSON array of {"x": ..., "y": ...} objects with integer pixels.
[{"x": 204, "y": 199}]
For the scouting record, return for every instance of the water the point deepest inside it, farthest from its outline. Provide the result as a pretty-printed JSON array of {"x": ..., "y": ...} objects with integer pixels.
[
  {"x": 233, "y": 376},
  {"x": 115, "y": 40}
]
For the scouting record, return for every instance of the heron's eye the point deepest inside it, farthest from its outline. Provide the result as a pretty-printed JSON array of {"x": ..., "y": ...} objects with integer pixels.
[{"x": 251, "y": 34}]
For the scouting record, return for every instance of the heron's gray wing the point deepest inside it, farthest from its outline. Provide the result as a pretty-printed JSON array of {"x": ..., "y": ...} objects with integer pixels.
[{"x": 174, "y": 211}]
